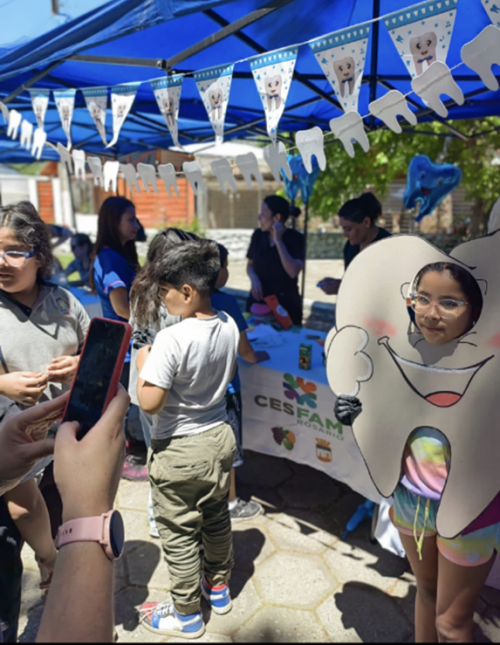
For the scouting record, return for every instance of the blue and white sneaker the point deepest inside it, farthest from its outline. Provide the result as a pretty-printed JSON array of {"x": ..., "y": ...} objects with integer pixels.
[
  {"x": 161, "y": 618},
  {"x": 217, "y": 597}
]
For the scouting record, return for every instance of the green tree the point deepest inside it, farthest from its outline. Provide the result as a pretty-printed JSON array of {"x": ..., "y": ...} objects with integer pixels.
[{"x": 390, "y": 154}]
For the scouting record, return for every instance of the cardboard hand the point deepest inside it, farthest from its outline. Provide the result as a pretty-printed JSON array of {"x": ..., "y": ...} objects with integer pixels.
[{"x": 346, "y": 409}]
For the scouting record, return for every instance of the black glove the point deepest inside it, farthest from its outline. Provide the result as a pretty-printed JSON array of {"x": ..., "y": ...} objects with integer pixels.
[{"x": 347, "y": 409}]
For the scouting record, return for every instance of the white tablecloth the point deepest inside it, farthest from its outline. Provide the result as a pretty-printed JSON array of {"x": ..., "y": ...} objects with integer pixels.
[{"x": 277, "y": 394}]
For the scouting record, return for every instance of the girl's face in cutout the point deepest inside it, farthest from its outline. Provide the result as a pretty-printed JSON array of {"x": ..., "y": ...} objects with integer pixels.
[
  {"x": 129, "y": 226},
  {"x": 442, "y": 312},
  {"x": 355, "y": 232},
  {"x": 19, "y": 278}
]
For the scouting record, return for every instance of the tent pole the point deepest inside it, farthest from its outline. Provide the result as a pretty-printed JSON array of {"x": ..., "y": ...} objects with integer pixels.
[
  {"x": 306, "y": 220},
  {"x": 29, "y": 83},
  {"x": 374, "y": 61}
]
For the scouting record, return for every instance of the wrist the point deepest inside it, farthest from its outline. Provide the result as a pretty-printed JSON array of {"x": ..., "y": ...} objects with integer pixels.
[{"x": 78, "y": 511}]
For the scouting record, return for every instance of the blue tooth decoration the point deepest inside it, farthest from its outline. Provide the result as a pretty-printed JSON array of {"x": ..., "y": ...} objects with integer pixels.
[
  {"x": 301, "y": 179},
  {"x": 429, "y": 183}
]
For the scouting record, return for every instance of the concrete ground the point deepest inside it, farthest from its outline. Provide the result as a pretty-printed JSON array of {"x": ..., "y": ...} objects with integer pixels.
[
  {"x": 316, "y": 270},
  {"x": 294, "y": 579}
]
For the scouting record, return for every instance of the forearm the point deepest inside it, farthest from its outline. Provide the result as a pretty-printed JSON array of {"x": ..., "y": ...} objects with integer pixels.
[
  {"x": 292, "y": 267},
  {"x": 245, "y": 350},
  {"x": 151, "y": 397},
  {"x": 82, "y": 587},
  {"x": 252, "y": 274}
]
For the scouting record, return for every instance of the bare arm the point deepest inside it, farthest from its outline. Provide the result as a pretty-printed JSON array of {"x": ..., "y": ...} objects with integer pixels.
[
  {"x": 120, "y": 303},
  {"x": 247, "y": 352},
  {"x": 151, "y": 398},
  {"x": 256, "y": 288},
  {"x": 292, "y": 266}
]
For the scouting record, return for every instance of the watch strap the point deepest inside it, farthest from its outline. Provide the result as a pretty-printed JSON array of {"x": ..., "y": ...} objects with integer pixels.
[{"x": 84, "y": 529}]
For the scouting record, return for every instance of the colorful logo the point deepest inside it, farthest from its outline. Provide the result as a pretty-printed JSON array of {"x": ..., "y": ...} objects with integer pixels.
[
  {"x": 284, "y": 437},
  {"x": 297, "y": 388},
  {"x": 323, "y": 450},
  {"x": 63, "y": 306}
]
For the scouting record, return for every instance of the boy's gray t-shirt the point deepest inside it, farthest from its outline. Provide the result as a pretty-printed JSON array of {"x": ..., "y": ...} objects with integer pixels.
[
  {"x": 194, "y": 360},
  {"x": 142, "y": 336}
]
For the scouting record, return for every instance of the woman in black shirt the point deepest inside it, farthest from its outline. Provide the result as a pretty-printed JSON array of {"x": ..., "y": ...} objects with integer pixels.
[
  {"x": 357, "y": 219},
  {"x": 276, "y": 257}
]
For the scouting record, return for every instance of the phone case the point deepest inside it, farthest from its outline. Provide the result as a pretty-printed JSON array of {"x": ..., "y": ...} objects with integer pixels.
[{"x": 120, "y": 359}]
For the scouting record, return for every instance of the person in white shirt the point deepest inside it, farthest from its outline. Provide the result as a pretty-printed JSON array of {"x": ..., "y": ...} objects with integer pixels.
[{"x": 182, "y": 381}]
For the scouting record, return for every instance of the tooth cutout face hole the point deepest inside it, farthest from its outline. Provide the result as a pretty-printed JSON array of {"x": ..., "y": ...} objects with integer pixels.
[{"x": 445, "y": 302}]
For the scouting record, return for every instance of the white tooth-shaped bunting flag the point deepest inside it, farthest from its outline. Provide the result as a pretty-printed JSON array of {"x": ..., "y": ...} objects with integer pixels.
[
  {"x": 214, "y": 85},
  {"x": 167, "y": 93},
  {"x": 65, "y": 103},
  {"x": 96, "y": 99},
  {"x": 493, "y": 11},
  {"x": 341, "y": 56},
  {"x": 40, "y": 102},
  {"x": 122, "y": 97},
  {"x": 273, "y": 73},
  {"x": 422, "y": 33}
]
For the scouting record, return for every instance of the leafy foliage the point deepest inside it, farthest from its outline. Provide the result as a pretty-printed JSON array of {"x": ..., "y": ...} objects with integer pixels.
[{"x": 390, "y": 154}]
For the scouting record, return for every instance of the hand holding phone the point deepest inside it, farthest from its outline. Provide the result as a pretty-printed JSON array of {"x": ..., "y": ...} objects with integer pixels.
[{"x": 98, "y": 373}]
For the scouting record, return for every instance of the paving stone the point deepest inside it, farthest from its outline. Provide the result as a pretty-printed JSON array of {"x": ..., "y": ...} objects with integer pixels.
[
  {"x": 268, "y": 497},
  {"x": 301, "y": 469},
  {"x": 404, "y": 592},
  {"x": 127, "y": 603},
  {"x": 28, "y": 558},
  {"x": 133, "y": 495},
  {"x": 263, "y": 470},
  {"x": 281, "y": 625},
  {"x": 306, "y": 491},
  {"x": 30, "y": 623},
  {"x": 246, "y": 603},
  {"x": 146, "y": 567},
  {"x": 136, "y": 529},
  {"x": 286, "y": 533},
  {"x": 208, "y": 637},
  {"x": 294, "y": 580},
  {"x": 360, "y": 613},
  {"x": 311, "y": 525},
  {"x": 348, "y": 563},
  {"x": 30, "y": 590},
  {"x": 251, "y": 547},
  {"x": 120, "y": 575}
]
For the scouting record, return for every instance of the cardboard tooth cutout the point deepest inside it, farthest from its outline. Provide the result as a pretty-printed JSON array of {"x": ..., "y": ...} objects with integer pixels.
[
  {"x": 429, "y": 183},
  {"x": 376, "y": 353}
]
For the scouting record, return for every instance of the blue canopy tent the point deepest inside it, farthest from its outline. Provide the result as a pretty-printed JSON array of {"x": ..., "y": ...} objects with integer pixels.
[{"x": 137, "y": 40}]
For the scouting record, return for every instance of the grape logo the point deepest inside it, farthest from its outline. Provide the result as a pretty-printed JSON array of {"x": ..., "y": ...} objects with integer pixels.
[
  {"x": 282, "y": 437},
  {"x": 297, "y": 389}
]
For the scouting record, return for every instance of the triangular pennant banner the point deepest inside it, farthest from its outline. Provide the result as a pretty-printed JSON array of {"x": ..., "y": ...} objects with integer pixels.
[
  {"x": 65, "y": 103},
  {"x": 167, "y": 92},
  {"x": 273, "y": 74},
  {"x": 96, "y": 99},
  {"x": 122, "y": 97},
  {"x": 214, "y": 85},
  {"x": 39, "y": 101},
  {"x": 422, "y": 33},
  {"x": 493, "y": 11},
  {"x": 341, "y": 56}
]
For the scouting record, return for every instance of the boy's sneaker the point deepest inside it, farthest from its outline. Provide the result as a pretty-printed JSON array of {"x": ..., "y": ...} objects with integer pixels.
[
  {"x": 217, "y": 597},
  {"x": 245, "y": 510},
  {"x": 161, "y": 618}
]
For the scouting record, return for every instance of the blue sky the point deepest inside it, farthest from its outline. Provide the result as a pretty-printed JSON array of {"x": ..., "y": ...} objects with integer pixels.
[{"x": 25, "y": 19}]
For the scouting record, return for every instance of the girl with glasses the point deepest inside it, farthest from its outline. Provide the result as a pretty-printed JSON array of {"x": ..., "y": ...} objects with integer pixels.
[{"x": 42, "y": 327}]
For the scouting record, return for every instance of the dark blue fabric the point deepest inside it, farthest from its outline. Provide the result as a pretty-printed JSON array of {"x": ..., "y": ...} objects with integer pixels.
[
  {"x": 224, "y": 302},
  {"x": 111, "y": 270},
  {"x": 157, "y": 29}
]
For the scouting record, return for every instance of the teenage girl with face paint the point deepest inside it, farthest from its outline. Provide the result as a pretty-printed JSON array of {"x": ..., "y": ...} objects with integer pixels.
[
  {"x": 357, "y": 217},
  {"x": 446, "y": 303}
]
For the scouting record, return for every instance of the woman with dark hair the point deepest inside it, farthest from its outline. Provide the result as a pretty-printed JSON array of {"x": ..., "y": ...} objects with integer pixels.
[
  {"x": 357, "y": 218},
  {"x": 115, "y": 260},
  {"x": 82, "y": 246},
  {"x": 276, "y": 257},
  {"x": 42, "y": 327}
]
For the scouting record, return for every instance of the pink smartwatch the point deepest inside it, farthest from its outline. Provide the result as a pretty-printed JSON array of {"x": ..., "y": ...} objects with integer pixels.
[{"x": 107, "y": 529}]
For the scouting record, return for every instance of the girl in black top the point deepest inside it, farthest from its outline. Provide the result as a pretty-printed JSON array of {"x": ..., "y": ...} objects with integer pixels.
[
  {"x": 357, "y": 219},
  {"x": 276, "y": 257}
]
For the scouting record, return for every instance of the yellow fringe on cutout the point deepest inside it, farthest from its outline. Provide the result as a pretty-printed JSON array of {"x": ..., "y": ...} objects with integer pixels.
[{"x": 420, "y": 540}]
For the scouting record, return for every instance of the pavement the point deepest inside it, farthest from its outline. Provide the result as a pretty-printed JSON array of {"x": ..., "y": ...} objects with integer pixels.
[{"x": 294, "y": 578}]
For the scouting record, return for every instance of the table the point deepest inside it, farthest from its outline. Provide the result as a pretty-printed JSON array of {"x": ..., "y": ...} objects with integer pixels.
[
  {"x": 288, "y": 412},
  {"x": 90, "y": 301}
]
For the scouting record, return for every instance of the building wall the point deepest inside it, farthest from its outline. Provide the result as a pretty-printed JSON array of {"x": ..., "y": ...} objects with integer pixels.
[{"x": 46, "y": 201}]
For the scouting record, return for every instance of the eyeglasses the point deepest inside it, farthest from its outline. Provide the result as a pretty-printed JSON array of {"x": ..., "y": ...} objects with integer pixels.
[
  {"x": 17, "y": 259},
  {"x": 447, "y": 308}
]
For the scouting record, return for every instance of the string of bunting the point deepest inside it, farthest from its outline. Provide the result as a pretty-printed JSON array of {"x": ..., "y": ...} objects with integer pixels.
[{"x": 421, "y": 35}]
